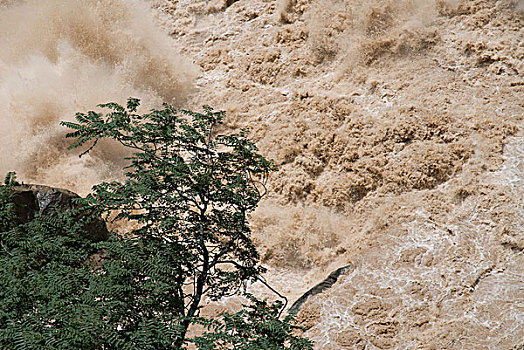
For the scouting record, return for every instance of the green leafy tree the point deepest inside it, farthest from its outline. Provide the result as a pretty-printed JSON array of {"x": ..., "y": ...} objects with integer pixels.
[{"x": 188, "y": 192}]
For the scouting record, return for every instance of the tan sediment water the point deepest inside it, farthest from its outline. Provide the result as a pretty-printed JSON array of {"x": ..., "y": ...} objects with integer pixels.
[
  {"x": 449, "y": 276},
  {"x": 396, "y": 126}
]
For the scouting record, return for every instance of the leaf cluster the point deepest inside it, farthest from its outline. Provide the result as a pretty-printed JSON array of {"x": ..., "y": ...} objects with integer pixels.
[
  {"x": 256, "y": 327},
  {"x": 45, "y": 302}
]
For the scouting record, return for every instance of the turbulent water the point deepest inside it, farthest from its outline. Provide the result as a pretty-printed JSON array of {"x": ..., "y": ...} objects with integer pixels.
[{"x": 396, "y": 126}]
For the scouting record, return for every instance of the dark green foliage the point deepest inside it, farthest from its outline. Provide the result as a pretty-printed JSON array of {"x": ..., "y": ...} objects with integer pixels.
[
  {"x": 187, "y": 196},
  {"x": 256, "y": 327},
  {"x": 44, "y": 299},
  {"x": 10, "y": 179}
]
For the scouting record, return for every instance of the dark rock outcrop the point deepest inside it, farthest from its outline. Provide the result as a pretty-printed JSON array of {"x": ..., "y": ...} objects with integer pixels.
[
  {"x": 31, "y": 200},
  {"x": 319, "y": 288}
]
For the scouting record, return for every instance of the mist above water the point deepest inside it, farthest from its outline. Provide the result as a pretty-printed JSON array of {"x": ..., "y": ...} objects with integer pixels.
[{"x": 59, "y": 57}]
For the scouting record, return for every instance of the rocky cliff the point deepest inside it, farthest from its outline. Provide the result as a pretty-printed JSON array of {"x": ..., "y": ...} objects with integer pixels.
[{"x": 31, "y": 200}]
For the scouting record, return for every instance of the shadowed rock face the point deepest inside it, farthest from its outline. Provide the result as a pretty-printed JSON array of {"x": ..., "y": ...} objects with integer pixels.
[
  {"x": 319, "y": 288},
  {"x": 31, "y": 200}
]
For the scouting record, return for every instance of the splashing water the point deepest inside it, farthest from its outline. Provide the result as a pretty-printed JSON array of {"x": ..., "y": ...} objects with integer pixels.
[{"x": 58, "y": 57}]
